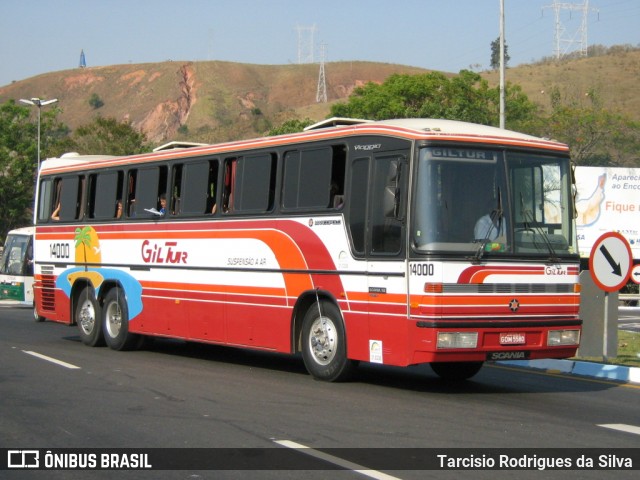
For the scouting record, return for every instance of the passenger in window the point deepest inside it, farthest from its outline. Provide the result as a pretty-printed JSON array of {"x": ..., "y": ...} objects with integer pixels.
[
  {"x": 163, "y": 204},
  {"x": 337, "y": 201},
  {"x": 119, "y": 209},
  {"x": 56, "y": 213},
  {"x": 214, "y": 209}
]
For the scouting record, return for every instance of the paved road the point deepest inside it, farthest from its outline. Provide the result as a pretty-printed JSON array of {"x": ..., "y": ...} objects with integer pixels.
[
  {"x": 629, "y": 319},
  {"x": 182, "y": 395}
]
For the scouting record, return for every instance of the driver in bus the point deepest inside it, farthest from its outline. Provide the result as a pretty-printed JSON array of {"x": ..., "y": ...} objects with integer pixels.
[{"x": 492, "y": 225}]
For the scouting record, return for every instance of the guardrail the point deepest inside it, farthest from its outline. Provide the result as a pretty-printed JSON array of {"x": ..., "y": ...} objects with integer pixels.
[{"x": 629, "y": 297}]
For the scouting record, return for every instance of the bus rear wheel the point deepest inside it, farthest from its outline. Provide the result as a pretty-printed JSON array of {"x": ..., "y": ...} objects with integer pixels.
[
  {"x": 456, "y": 371},
  {"x": 87, "y": 317},
  {"x": 324, "y": 347},
  {"x": 115, "y": 322}
]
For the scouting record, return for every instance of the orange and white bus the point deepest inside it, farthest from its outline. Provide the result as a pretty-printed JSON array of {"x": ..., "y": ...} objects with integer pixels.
[{"x": 352, "y": 241}]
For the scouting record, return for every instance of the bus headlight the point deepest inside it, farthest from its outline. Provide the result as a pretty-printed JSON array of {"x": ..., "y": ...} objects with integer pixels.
[
  {"x": 457, "y": 339},
  {"x": 563, "y": 337}
]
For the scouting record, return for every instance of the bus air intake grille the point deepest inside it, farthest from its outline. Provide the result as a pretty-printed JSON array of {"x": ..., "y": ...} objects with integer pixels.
[{"x": 48, "y": 293}]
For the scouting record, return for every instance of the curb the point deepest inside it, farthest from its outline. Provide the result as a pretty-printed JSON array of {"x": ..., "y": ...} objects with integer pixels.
[{"x": 619, "y": 373}]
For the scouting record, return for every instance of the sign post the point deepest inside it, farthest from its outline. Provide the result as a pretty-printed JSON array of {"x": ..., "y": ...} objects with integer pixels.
[{"x": 610, "y": 264}]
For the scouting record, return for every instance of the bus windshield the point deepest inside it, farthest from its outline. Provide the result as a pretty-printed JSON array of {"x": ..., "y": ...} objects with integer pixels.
[
  {"x": 17, "y": 255},
  {"x": 483, "y": 202}
]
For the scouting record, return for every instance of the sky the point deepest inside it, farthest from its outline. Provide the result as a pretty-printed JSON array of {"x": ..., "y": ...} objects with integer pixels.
[{"x": 41, "y": 36}]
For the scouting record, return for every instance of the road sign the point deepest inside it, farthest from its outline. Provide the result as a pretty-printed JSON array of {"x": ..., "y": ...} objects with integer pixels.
[
  {"x": 610, "y": 261},
  {"x": 635, "y": 274}
]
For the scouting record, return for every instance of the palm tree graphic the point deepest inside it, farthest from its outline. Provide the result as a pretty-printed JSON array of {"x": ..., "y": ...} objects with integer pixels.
[{"x": 83, "y": 237}]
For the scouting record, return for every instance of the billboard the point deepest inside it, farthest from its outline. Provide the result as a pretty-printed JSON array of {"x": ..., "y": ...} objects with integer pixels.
[{"x": 608, "y": 200}]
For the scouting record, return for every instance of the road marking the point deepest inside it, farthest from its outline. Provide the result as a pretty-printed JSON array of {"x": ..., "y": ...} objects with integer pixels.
[
  {"x": 622, "y": 427},
  {"x": 336, "y": 460},
  {"x": 52, "y": 360}
]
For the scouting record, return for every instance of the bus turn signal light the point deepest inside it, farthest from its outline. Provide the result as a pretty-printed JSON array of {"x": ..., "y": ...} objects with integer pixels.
[{"x": 432, "y": 288}]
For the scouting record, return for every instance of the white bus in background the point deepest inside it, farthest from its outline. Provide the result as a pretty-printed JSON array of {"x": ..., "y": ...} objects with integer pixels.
[
  {"x": 608, "y": 200},
  {"x": 16, "y": 268}
]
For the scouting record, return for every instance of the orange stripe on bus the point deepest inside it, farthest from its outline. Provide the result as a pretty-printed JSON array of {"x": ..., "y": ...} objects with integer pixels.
[{"x": 231, "y": 289}]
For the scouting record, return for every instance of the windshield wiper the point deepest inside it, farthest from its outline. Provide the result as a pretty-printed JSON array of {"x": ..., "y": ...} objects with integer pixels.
[{"x": 529, "y": 225}]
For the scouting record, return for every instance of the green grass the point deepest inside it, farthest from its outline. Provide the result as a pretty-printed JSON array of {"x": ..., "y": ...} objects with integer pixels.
[{"x": 628, "y": 350}]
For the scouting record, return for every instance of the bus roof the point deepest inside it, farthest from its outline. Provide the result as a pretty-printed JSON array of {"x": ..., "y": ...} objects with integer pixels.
[
  {"x": 430, "y": 125},
  {"x": 455, "y": 127},
  {"x": 73, "y": 158},
  {"x": 22, "y": 231},
  {"x": 410, "y": 128}
]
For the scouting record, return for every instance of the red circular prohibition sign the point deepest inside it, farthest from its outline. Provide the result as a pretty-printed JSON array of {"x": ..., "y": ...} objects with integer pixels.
[{"x": 610, "y": 261}]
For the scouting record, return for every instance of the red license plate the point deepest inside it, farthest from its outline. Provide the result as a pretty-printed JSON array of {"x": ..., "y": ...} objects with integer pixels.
[{"x": 512, "y": 339}]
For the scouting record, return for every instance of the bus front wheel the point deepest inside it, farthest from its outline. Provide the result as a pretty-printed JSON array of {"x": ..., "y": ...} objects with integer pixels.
[
  {"x": 456, "y": 371},
  {"x": 36, "y": 316},
  {"x": 87, "y": 317},
  {"x": 324, "y": 347},
  {"x": 115, "y": 322}
]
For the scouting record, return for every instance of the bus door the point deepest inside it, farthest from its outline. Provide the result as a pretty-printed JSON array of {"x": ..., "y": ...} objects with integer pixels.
[{"x": 376, "y": 219}]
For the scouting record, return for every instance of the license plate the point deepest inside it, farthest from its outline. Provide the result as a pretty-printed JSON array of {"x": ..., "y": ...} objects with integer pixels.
[{"x": 512, "y": 339}]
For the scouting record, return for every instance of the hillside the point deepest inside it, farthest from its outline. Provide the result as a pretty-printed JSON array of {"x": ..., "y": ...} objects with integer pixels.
[
  {"x": 199, "y": 101},
  {"x": 218, "y": 101},
  {"x": 614, "y": 76}
]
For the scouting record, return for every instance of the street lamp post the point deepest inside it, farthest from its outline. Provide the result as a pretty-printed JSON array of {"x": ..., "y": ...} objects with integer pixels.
[{"x": 38, "y": 103}]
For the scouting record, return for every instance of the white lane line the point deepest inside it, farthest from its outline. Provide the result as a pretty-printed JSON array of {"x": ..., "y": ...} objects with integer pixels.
[
  {"x": 52, "y": 360},
  {"x": 622, "y": 427},
  {"x": 336, "y": 460}
]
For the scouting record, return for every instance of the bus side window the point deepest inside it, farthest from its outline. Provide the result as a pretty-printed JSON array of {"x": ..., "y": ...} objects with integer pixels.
[
  {"x": 45, "y": 199},
  {"x": 253, "y": 183},
  {"x": 313, "y": 178},
  {"x": 105, "y": 191},
  {"x": 151, "y": 182},
  {"x": 69, "y": 199},
  {"x": 196, "y": 187}
]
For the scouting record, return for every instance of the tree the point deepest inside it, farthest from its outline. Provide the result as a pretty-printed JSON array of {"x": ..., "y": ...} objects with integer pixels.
[
  {"x": 465, "y": 97},
  {"x": 595, "y": 135},
  {"x": 290, "y": 126},
  {"x": 495, "y": 54},
  {"x": 18, "y": 159},
  {"x": 107, "y": 136},
  {"x": 17, "y": 165}
]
